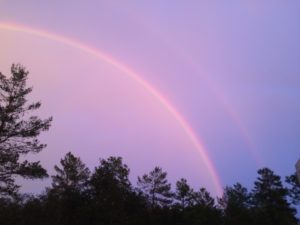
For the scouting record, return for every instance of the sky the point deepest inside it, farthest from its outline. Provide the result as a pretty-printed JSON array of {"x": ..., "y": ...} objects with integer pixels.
[{"x": 207, "y": 90}]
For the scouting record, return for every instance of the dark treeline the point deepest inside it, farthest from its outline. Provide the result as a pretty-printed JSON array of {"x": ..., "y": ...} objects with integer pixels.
[{"x": 106, "y": 196}]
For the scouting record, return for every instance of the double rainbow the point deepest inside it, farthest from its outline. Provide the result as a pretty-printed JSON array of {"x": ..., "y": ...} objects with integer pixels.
[{"x": 137, "y": 78}]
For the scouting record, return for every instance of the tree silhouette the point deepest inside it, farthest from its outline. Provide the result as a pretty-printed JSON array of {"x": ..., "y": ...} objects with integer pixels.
[
  {"x": 73, "y": 175},
  {"x": 66, "y": 197},
  {"x": 183, "y": 193},
  {"x": 18, "y": 131},
  {"x": 108, "y": 198},
  {"x": 110, "y": 191},
  {"x": 294, "y": 190},
  {"x": 235, "y": 204},
  {"x": 156, "y": 187},
  {"x": 202, "y": 209},
  {"x": 110, "y": 173},
  {"x": 270, "y": 200},
  {"x": 203, "y": 198}
]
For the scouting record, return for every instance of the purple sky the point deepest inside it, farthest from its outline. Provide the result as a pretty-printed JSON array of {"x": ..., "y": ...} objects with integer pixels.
[{"x": 231, "y": 69}]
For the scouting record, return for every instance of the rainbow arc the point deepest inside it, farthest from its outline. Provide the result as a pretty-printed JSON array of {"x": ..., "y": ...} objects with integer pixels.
[{"x": 137, "y": 78}]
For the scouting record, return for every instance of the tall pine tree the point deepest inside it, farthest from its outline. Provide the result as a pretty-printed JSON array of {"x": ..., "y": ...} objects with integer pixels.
[
  {"x": 19, "y": 130},
  {"x": 270, "y": 200},
  {"x": 156, "y": 187}
]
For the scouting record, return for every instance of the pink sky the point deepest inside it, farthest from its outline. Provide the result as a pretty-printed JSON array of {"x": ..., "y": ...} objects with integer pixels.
[{"x": 231, "y": 70}]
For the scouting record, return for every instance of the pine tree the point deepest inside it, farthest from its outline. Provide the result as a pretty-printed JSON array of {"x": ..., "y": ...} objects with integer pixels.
[
  {"x": 203, "y": 198},
  {"x": 203, "y": 209},
  {"x": 156, "y": 187},
  {"x": 72, "y": 175},
  {"x": 236, "y": 205},
  {"x": 270, "y": 200},
  {"x": 183, "y": 193},
  {"x": 66, "y": 198},
  {"x": 18, "y": 131},
  {"x": 294, "y": 190},
  {"x": 110, "y": 174},
  {"x": 110, "y": 191}
]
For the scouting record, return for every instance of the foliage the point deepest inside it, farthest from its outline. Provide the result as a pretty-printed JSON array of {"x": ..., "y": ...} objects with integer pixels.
[
  {"x": 183, "y": 193},
  {"x": 107, "y": 197},
  {"x": 156, "y": 188},
  {"x": 72, "y": 176},
  {"x": 19, "y": 130},
  {"x": 294, "y": 190},
  {"x": 270, "y": 200},
  {"x": 203, "y": 198},
  {"x": 235, "y": 204},
  {"x": 67, "y": 197},
  {"x": 111, "y": 191}
]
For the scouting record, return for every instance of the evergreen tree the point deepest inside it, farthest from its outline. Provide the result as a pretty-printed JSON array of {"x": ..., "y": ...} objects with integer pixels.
[
  {"x": 111, "y": 192},
  {"x": 18, "y": 131},
  {"x": 270, "y": 200},
  {"x": 66, "y": 199},
  {"x": 294, "y": 190},
  {"x": 110, "y": 174},
  {"x": 235, "y": 204},
  {"x": 203, "y": 198},
  {"x": 72, "y": 175},
  {"x": 183, "y": 193},
  {"x": 156, "y": 187},
  {"x": 203, "y": 209}
]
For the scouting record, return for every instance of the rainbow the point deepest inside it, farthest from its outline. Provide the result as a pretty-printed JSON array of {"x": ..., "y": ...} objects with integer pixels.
[
  {"x": 230, "y": 110},
  {"x": 137, "y": 78}
]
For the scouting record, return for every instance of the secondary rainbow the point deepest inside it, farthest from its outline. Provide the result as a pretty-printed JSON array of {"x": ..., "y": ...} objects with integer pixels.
[
  {"x": 133, "y": 75},
  {"x": 229, "y": 108}
]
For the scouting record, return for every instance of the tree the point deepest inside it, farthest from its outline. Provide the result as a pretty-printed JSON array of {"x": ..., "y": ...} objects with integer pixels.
[
  {"x": 183, "y": 193},
  {"x": 73, "y": 175},
  {"x": 18, "y": 131},
  {"x": 203, "y": 198},
  {"x": 66, "y": 199},
  {"x": 110, "y": 174},
  {"x": 294, "y": 190},
  {"x": 235, "y": 204},
  {"x": 156, "y": 188},
  {"x": 202, "y": 209},
  {"x": 111, "y": 193},
  {"x": 270, "y": 200}
]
